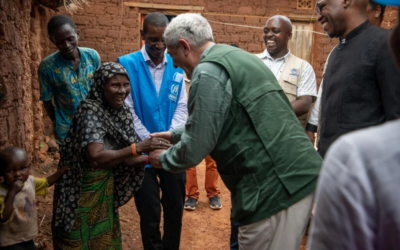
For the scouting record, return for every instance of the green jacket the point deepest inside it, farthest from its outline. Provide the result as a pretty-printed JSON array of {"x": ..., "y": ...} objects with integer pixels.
[{"x": 263, "y": 154}]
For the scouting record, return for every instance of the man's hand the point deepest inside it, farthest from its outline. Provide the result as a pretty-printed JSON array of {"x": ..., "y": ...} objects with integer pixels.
[
  {"x": 154, "y": 158},
  {"x": 167, "y": 135},
  {"x": 311, "y": 135}
]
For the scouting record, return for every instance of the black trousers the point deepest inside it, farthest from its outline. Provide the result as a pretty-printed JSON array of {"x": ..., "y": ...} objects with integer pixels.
[
  {"x": 148, "y": 204},
  {"x": 25, "y": 245}
]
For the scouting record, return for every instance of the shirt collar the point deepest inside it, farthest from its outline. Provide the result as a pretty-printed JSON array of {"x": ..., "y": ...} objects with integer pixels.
[
  {"x": 266, "y": 55},
  {"x": 355, "y": 32},
  {"x": 147, "y": 57},
  {"x": 70, "y": 63},
  {"x": 205, "y": 52}
]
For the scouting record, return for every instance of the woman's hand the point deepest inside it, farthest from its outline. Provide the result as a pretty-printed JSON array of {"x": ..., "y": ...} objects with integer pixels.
[{"x": 151, "y": 144}]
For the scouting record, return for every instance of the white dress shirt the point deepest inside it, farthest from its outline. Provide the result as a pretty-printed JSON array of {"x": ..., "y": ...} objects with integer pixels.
[
  {"x": 157, "y": 73},
  {"x": 357, "y": 205}
]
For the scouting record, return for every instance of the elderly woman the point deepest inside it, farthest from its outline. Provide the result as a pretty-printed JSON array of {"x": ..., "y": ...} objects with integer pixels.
[{"x": 106, "y": 165}]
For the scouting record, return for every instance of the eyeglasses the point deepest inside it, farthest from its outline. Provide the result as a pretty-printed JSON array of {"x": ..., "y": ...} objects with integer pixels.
[{"x": 320, "y": 6}]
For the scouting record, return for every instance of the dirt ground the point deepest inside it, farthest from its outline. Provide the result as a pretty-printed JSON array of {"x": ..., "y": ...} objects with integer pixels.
[{"x": 202, "y": 229}]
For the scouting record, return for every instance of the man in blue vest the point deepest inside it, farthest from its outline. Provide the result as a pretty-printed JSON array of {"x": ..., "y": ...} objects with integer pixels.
[{"x": 158, "y": 103}]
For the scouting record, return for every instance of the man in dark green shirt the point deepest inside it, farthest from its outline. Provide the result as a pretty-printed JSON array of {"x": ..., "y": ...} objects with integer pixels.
[{"x": 241, "y": 117}]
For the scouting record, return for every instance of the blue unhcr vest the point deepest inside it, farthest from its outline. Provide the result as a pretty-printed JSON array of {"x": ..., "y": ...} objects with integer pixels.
[{"x": 154, "y": 112}]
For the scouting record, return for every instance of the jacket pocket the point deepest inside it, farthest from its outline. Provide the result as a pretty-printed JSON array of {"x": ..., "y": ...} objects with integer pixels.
[
  {"x": 291, "y": 85},
  {"x": 245, "y": 195}
]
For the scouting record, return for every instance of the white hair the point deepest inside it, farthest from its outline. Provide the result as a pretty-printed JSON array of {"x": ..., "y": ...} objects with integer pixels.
[
  {"x": 285, "y": 19},
  {"x": 192, "y": 27}
]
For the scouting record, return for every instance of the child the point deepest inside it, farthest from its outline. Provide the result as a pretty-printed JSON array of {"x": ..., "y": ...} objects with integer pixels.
[{"x": 18, "y": 215}]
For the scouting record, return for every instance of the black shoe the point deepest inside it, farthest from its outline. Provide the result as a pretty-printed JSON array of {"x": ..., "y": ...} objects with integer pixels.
[
  {"x": 215, "y": 203},
  {"x": 190, "y": 204}
]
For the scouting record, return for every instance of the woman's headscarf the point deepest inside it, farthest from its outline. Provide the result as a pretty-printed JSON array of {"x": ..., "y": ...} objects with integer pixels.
[{"x": 91, "y": 121}]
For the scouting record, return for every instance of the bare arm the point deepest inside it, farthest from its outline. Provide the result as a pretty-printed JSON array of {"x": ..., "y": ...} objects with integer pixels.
[
  {"x": 311, "y": 136},
  {"x": 16, "y": 187},
  {"x": 302, "y": 105},
  {"x": 136, "y": 161},
  {"x": 51, "y": 112},
  {"x": 54, "y": 177},
  {"x": 102, "y": 159}
]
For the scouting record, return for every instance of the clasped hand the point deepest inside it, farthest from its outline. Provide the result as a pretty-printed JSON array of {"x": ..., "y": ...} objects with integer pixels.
[
  {"x": 154, "y": 156},
  {"x": 152, "y": 144}
]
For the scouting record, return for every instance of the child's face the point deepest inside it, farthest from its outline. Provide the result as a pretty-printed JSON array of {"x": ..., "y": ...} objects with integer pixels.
[{"x": 17, "y": 170}]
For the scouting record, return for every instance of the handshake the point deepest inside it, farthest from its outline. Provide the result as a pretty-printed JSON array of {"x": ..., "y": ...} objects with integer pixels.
[{"x": 154, "y": 146}]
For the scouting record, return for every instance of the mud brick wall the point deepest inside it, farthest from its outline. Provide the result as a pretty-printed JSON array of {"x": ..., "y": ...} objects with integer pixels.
[
  {"x": 21, "y": 23},
  {"x": 112, "y": 28}
]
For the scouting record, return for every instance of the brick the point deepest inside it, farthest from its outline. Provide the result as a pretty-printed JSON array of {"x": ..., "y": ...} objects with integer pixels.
[
  {"x": 99, "y": 33},
  {"x": 211, "y": 17},
  {"x": 263, "y": 21},
  {"x": 216, "y": 26},
  {"x": 244, "y": 10},
  {"x": 254, "y": 48},
  {"x": 224, "y": 19},
  {"x": 222, "y": 38},
  {"x": 252, "y": 20},
  {"x": 104, "y": 46},
  {"x": 243, "y": 46},
  {"x": 129, "y": 46},
  {"x": 97, "y": 9},
  {"x": 109, "y": 22},
  {"x": 214, "y": 6},
  {"x": 260, "y": 12},
  {"x": 132, "y": 12},
  {"x": 87, "y": 44},
  {"x": 115, "y": 11},
  {"x": 104, "y": 57},
  {"x": 117, "y": 33},
  {"x": 130, "y": 22},
  {"x": 81, "y": 20},
  {"x": 114, "y": 56},
  {"x": 237, "y": 19},
  {"x": 239, "y": 29},
  {"x": 230, "y": 9},
  {"x": 259, "y": 37}
]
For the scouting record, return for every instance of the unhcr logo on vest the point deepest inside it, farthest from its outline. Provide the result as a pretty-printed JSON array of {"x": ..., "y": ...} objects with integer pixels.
[
  {"x": 175, "y": 87},
  {"x": 294, "y": 72},
  {"x": 174, "y": 92}
]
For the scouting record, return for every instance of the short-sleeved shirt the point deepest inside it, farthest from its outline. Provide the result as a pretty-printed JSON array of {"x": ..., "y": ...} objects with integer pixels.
[
  {"x": 22, "y": 224},
  {"x": 59, "y": 82}
]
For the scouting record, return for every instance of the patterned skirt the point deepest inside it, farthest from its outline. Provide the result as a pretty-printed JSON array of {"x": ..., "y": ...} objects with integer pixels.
[{"x": 96, "y": 226}]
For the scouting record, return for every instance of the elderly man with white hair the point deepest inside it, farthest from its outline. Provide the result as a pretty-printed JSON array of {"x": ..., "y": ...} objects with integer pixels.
[
  {"x": 239, "y": 115},
  {"x": 295, "y": 75}
]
